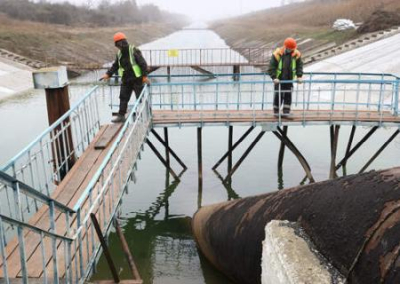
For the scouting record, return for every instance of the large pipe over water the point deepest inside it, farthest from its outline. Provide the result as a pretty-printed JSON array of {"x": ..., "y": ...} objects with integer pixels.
[{"x": 354, "y": 222}]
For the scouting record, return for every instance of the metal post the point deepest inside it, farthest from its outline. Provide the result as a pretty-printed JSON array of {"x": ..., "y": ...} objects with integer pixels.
[
  {"x": 379, "y": 151},
  {"x": 241, "y": 139},
  {"x": 246, "y": 153},
  {"x": 154, "y": 149},
  {"x": 200, "y": 164},
  {"x": 334, "y": 130},
  {"x": 55, "y": 83},
  {"x": 352, "y": 151},
  {"x": 353, "y": 131},
  {"x": 166, "y": 145},
  {"x": 280, "y": 135},
  {"x": 230, "y": 141},
  {"x": 282, "y": 150},
  {"x": 105, "y": 248},
  {"x": 166, "y": 139},
  {"x": 20, "y": 231},
  {"x": 128, "y": 255}
]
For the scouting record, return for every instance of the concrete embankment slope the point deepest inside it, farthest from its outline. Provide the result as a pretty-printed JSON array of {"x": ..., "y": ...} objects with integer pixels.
[
  {"x": 379, "y": 57},
  {"x": 15, "y": 78}
]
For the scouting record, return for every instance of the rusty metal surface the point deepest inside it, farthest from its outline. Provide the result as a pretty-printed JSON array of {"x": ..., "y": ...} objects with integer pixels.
[{"x": 354, "y": 222}]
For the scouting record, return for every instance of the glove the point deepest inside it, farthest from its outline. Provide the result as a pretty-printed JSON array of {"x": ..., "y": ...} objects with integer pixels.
[
  {"x": 105, "y": 77},
  {"x": 276, "y": 81},
  {"x": 299, "y": 80},
  {"x": 146, "y": 80}
]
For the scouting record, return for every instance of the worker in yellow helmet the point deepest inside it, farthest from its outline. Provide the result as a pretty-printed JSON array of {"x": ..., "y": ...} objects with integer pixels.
[
  {"x": 132, "y": 68},
  {"x": 285, "y": 65}
]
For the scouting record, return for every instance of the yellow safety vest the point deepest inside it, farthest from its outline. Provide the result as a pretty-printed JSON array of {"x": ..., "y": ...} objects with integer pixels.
[
  {"x": 135, "y": 66},
  {"x": 278, "y": 56}
]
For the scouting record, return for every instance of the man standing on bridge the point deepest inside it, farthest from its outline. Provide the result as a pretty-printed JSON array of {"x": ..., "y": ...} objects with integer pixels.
[
  {"x": 285, "y": 65},
  {"x": 132, "y": 68}
]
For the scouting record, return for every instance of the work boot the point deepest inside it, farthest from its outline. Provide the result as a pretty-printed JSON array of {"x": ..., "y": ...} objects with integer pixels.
[{"x": 120, "y": 118}]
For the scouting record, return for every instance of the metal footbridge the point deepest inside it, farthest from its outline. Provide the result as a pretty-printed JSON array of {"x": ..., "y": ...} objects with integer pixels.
[{"x": 78, "y": 168}]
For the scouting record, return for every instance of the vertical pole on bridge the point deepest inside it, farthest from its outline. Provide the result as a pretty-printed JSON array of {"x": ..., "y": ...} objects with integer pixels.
[
  {"x": 236, "y": 72},
  {"x": 200, "y": 165},
  {"x": 169, "y": 73},
  {"x": 166, "y": 139},
  {"x": 230, "y": 146},
  {"x": 334, "y": 131},
  {"x": 55, "y": 83}
]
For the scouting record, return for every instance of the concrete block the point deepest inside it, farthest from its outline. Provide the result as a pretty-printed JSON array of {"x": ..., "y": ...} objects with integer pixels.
[
  {"x": 50, "y": 78},
  {"x": 289, "y": 257}
]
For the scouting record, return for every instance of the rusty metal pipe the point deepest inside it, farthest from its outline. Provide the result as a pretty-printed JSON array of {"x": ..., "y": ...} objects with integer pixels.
[{"x": 354, "y": 222}]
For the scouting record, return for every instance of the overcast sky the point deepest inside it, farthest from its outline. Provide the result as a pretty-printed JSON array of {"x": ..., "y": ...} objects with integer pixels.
[
  {"x": 201, "y": 10},
  {"x": 212, "y": 9}
]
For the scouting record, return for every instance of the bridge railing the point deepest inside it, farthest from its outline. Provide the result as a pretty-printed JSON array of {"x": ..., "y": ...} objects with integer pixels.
[
  {"x": 17, "y": 234},
  {"x": 207, "y": 57},
  {"x": 353, "y": 94},
  {"x": 44, "y": 162},
  {"x": 70, "y": 254},
  {"x": 104, "y": 192}
]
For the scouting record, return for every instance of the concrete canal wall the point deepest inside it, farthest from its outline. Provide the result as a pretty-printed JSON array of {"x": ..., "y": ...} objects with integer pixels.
[
  {"x": 289, "y": 257},
  {"x": 15, "y": 78}
]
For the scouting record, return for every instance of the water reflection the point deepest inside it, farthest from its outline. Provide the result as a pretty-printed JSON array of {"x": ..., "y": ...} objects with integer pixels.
[{"x": 162, "y": 246}]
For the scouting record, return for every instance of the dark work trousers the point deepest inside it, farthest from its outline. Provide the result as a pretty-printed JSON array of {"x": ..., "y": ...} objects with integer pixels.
[
  {"x": 126, "y": 93},
  {"x": 286, "y": 97}
]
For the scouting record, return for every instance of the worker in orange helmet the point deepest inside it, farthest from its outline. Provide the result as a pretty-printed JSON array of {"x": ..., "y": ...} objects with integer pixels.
[
  {"x": 132, "y": 68},
  {"x": 285, "y": 65}
]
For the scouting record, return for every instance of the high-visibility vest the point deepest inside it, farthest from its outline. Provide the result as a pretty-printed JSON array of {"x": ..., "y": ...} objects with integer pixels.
[
  {"x": 278, "y": 56},
  {"x": 136, "y": 68}
]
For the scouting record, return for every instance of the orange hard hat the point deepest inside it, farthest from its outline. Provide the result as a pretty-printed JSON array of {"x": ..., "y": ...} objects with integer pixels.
[
  {"x": 290, "y": 43},
  {"x": 119, "y": 36}
]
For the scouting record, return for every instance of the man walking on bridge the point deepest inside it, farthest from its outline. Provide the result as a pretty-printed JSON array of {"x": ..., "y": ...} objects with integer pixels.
[
  {"x": 132, "y": 68},
  {"x": 285, "y": 65}
]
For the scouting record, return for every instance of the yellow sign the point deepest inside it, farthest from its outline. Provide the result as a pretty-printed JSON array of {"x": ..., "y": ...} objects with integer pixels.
[{"x": 173, "y": 53}]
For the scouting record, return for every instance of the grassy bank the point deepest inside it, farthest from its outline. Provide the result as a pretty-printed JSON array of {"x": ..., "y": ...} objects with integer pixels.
[
  {"x": 311, "y": 19},
  {"x": 59, "y": 43}
]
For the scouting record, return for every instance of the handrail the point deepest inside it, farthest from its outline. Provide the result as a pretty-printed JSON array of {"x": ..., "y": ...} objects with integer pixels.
[
  {"x": 28, "y": 190},
  {"x": 343, "y": 81},
  {"x": 48, "y": 130},
  {"x": 103, "y": 165},
  {"x": 267, "y": 75},
  {"x": 14, "y": 222}
]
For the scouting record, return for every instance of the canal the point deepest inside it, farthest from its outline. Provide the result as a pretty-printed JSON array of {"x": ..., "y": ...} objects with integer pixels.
[{"x": 156, "y": 211}]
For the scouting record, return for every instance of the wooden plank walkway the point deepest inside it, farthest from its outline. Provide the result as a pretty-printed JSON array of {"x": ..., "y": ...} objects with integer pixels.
[
  {"x": 164, "y": 117},
  {"x": 68, "y": 192}
]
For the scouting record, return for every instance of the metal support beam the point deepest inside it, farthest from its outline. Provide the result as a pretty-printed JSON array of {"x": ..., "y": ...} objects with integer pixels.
[
  {"x": 154, "y": 149},
  {"x": 359, "y": 144},
  {"x": 166, "y": 139},
  {"x": 351, "y": 138},
  {"x": 241, "y": 139},
  {"x": 282, "y": 150},
  {"x": 236, "y": 72},
  {"x": 283, "y": 138},
  {"x": 105, "y": 248},
  {"x": 246, "y": 153},
  {"x": 379, "y": 151},
  {"x": 200, "y": 165},
  {"x": 166, "y": 145},
  {"x": 203, "y": 71},
  {"x": 230, "y": 142},
  {"x": 334, "y": 131},
  {"x": 127, "y": 253}
]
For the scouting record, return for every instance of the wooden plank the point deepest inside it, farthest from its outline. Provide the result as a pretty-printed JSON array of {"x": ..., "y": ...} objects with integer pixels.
[
  {"x": 108, "y": 136},
  {"x": 61, "y": 222},
  {"x": 42, "y": 216},
  {"x": 163, "y": 117}
]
